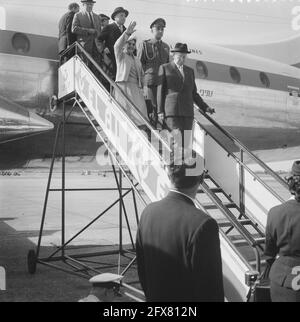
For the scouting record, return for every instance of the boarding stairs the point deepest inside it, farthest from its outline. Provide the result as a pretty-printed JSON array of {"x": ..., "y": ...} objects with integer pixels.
[{"x": 231, "y": 192}]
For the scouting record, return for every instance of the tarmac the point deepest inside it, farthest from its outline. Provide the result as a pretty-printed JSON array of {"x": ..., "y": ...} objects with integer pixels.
[{"x": 21, "y": 204}]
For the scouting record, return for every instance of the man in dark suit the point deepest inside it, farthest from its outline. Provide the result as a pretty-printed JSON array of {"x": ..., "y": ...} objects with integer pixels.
[
  {"x": 178, "y": 246},
  {"x": 66, "y": 38},
  {"x": 111, "y": 33},
  {"x": 177, "y": 93},
  {"x": 87, "y": 26}
]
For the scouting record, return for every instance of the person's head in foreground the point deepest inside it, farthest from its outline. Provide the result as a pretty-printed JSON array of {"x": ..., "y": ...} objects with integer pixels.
[
  {"x": 105, "y": 288},
  {"x": 186, "y": 175}
]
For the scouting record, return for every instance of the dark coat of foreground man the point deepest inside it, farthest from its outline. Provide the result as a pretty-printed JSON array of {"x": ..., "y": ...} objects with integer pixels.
[{"x": 178, "y": 252}]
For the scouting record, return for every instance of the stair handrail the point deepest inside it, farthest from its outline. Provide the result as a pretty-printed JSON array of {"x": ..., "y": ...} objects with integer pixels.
[{"x": 243, "y": 148}]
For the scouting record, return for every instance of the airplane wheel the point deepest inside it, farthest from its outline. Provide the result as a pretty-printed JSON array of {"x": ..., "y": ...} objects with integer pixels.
[{"x": 31, "y": 262}]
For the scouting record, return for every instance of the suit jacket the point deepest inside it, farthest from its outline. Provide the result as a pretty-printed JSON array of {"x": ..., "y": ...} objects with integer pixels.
[
  {"x": 175, "y": 95},
  {"x": 283, "y": 239},
  {"x": 66, "y": 37},
  {"x": 110, "y": 34},
  {"x": 80, "y": 26},
  {"x": 178, "y": 252},
  {"x": 125, "y": 62}
]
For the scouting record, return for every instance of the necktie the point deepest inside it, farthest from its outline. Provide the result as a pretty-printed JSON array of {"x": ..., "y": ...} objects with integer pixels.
[
  {"x": 181, "y": 71},
  {"x": 92, "y": 21},
  {"x": 121, "y": 28}
]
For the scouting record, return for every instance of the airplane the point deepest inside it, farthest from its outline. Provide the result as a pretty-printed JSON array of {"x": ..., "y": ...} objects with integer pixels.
[
  {"x": 257, "y": 99},
  {"x": 17, "y": 122}
]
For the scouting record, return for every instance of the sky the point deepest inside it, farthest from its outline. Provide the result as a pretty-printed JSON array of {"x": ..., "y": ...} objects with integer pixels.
[{"x": 219, "y": 21}]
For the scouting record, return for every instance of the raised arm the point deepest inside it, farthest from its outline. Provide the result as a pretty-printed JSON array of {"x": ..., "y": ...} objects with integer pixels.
[{"x": 119, "y": 45}]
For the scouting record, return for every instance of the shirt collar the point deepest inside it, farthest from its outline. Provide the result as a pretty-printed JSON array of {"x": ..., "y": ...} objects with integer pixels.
[
  {"x": 119, "y": 26},
  {"x": 183, "y": 194},
  {"x": 179, "y": 67}
]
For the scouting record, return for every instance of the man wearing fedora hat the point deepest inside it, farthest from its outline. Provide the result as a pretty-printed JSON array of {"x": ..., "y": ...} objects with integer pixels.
[
  {"x": 153, "y": 53},
  {"x": 177, "y": 93},
  {"x": 283, "y": 243},
  {"x": 87, "y": 26},
  {"x": 111, "y": 33}
]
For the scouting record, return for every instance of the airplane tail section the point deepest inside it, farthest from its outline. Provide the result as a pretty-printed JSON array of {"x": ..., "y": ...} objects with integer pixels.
[{"x": 231, "y": 192}]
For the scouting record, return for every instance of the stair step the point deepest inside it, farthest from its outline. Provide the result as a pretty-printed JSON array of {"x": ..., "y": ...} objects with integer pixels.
[
  {"x": 213, "y": 206},
  {"x": 229, "y": 224},
  {"x": 243, "y": 242},
  {"x": 260, "y": 240},
  {"x": 214, "y": 190},
  {"x": 262, "y": 262}
]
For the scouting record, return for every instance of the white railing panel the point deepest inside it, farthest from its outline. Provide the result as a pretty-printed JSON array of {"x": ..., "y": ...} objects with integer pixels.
[
  {"x": 66, "y": 78},
  {"x": 258, "y": 200},
  {"x": 223, "y": 168}
]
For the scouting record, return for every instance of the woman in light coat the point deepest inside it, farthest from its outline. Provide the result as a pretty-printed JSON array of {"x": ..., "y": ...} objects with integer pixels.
[{"x": 130, "y": 75}]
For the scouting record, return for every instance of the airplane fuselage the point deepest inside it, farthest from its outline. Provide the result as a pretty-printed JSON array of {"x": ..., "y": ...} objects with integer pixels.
[{"x": 262, "y": 108}]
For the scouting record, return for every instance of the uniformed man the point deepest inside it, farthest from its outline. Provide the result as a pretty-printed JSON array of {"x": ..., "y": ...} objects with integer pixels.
[
  {"x": 104, "y": 288},
  {"x": 153, "y": 53}
]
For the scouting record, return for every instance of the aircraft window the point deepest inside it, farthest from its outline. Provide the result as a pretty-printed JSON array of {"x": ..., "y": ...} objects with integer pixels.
[
  {"x": 264, "y": 79},
  {"x": 21, "y": 43},
  {"x": 235, "y": 75},
  {"x": 201, "y": 69}
]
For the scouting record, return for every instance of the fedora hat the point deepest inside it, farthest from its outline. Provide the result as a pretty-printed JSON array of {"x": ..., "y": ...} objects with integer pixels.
[
  {"x": 119, "y": 10},
  {"x": 88, "y": 1},
  {"x": 181, "y": 48}
]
